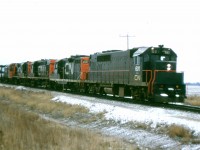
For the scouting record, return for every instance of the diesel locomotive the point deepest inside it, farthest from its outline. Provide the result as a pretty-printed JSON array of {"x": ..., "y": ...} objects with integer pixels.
[{"x": 143, "y": 73}]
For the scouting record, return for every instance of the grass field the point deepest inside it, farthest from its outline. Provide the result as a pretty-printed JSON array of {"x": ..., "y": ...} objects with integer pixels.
[
  {"x": 22, "y": 129},
  {"x": 193, "y": 100}
]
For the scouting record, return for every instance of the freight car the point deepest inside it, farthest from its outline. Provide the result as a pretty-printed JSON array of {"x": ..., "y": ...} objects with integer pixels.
[{"x": 142, "y": 73}]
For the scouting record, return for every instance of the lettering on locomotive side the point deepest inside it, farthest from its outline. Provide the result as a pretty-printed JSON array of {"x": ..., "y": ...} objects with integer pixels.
[
  {"x": 137, "y": 68},
  {"x": 137, "y": 77}
]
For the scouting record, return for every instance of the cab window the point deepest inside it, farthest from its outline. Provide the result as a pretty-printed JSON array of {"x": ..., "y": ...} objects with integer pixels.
[
  {"x": 164, "y": 58},
  {"x": 56, "y": 66},
  {"x": 67, "y": 68},
  {"x": 85, "y": 61},
  {"x": 137, "y": 60}
]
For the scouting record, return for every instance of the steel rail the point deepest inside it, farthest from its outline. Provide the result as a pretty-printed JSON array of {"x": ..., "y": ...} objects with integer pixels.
[{"x": 173, "y": 106}]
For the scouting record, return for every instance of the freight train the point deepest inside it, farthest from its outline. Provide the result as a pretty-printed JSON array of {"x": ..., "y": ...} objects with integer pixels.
[{"x": 143, "y": 73}]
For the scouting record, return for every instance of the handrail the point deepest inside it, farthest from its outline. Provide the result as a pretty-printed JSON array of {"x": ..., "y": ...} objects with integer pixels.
[{"x": 149, "y": 82}]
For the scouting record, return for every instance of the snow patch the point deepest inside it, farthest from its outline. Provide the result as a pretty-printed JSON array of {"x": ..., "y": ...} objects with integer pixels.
[
  {"x": 135, "y": 113},
  {"x": 21, "y": 88}
]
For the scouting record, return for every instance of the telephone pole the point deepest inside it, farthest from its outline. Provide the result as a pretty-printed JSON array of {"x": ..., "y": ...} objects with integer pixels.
[{"x": 127, "y": 38}]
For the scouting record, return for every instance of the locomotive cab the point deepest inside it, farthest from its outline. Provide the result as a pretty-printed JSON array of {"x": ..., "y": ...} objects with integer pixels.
[
  {"x": 164, "y": 83},
  {"x": 26, "y": 68}
]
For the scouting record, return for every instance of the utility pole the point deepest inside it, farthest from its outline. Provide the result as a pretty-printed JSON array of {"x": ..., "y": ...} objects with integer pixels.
[{"x": 127, "y": 38}]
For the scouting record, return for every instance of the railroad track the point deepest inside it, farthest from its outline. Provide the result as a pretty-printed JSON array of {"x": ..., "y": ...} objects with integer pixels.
[
  {"x": 189, "y": 108},
  {"x": 182, "y": 107},
  {"x": 174, "y": 106}
]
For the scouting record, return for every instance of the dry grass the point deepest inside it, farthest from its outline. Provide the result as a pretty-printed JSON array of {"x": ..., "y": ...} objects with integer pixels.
[
  {"x": 181, "y": 133},
  {"x": 41, "y": 101},
  {"x": 22, "y": 129},
  {"x": 177, "y": 131},
  {"x": 139, "y": 125},
  {"x": 193, "y": 100}
]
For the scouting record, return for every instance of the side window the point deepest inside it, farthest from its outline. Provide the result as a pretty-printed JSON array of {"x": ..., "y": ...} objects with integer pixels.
[
  {"x": 85, "y": 61},
  {"x": 32, "y": 67},
  {"x": 146, "y": 58},
  {"x": 136, "y": 60},
  {"x": 39, "y": 69},
  {"x": 173, "y": 58},
  {"x": 162, "y": 58},
  {"x": 67, "y": 68}
]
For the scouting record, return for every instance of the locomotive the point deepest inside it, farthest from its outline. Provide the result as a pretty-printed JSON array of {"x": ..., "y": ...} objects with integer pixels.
[{"x": 143, "y": 73}]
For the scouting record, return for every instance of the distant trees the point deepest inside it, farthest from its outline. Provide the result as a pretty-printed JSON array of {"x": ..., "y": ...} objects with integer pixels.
[{"x": 196, "y": 83}]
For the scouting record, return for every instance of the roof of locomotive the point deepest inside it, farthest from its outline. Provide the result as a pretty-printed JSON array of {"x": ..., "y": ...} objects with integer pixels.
[
  {"x": 140, "y": 50},
  {"x": 153, "y": 50}
]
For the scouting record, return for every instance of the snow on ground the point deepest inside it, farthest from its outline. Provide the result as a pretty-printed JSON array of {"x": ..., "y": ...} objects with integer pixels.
[
  {"x": 123, "y": 113},
  {"x": 119, "y": 111}
]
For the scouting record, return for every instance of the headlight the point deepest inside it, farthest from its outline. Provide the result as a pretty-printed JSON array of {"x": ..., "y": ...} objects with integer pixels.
[
  {"x": 163, "y": 95},
  {"x": 169, "y": 66},
  {"x": 171, "y": 89}
]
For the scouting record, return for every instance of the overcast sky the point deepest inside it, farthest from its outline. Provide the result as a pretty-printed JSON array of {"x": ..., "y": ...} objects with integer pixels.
[{"x": 38, "y": 29}]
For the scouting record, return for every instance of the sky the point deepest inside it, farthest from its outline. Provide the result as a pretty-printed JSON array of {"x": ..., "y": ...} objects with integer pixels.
[{"x": 31, "y": 30}]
